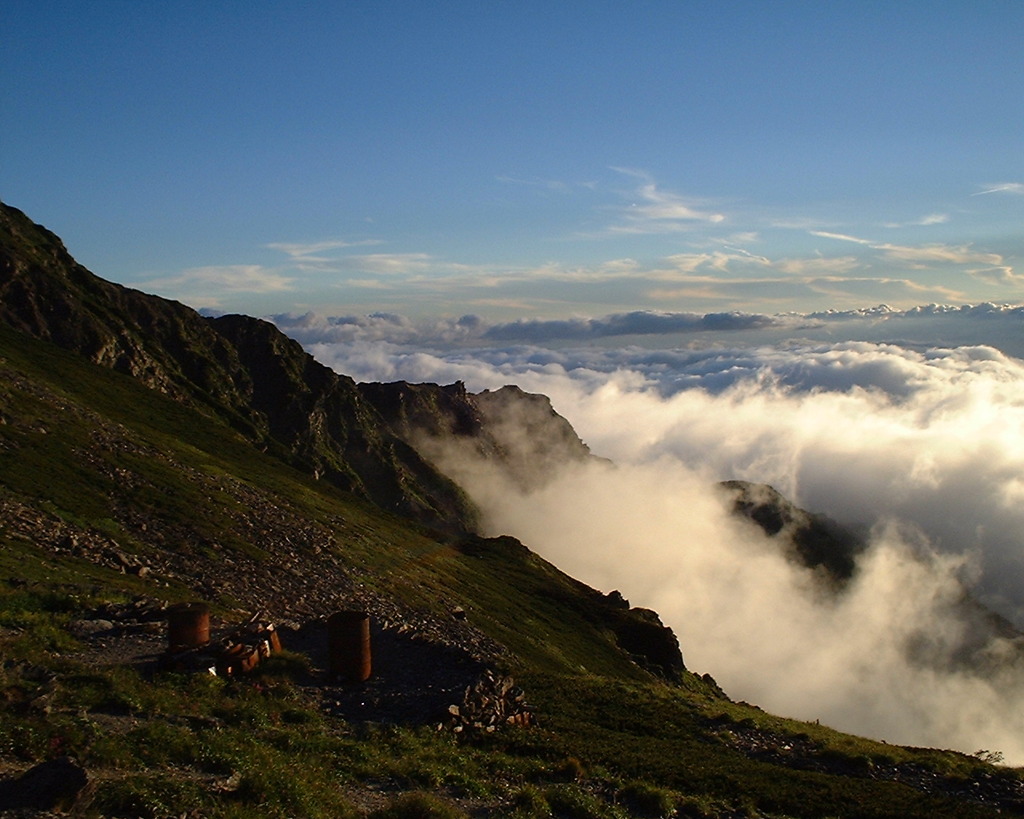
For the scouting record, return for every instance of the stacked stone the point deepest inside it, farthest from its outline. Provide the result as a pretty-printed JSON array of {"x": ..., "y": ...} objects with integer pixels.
[{"x": 491, "y": 703}]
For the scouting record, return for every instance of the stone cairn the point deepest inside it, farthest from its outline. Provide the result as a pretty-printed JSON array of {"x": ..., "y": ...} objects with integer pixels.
[{"x": 492, "y": 702}]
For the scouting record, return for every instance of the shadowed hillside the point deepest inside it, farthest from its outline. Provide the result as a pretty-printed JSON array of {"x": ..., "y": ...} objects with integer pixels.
[{"x": 240, "y": 369}]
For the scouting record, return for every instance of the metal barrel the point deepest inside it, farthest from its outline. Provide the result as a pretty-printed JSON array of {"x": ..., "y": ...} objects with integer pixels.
[
  {"x": 188, "y": 626},
  {"x": 348, "y": 645}
]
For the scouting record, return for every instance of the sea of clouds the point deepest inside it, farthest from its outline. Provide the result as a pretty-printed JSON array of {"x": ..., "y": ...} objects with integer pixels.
[{"x": 909, "y": 424}]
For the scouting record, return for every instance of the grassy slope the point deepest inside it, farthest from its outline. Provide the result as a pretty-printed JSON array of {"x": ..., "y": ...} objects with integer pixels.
[{"x": 91, "y": 448}]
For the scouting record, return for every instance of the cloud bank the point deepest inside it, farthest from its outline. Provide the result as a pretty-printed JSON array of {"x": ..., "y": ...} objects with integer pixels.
[
  {"x": 999, "y": 325},
  {"x": 920, "y": 442}
]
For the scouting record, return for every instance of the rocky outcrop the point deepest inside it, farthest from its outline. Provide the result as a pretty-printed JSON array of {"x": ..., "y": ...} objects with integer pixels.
[
  {"x": 327, "y": 426},
  {"x": 535, "y": 439},
  {"x": 517, "y": 432},
  {"x": 813, "y": 541},
  {"x": 641, "y": 634}
]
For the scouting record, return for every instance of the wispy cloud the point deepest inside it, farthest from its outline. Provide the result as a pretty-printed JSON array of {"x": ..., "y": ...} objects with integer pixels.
[
  {"x": 818, "y": 265},
  {"x": 1002, "y": 187},
  {"x": 837, "y": 290},
  {"x": 841, "y": 237},
  {"x": 653, "y": 210},
  {"x": 950, "y": 254},
  {"x": 1001, "y": 275},
  {"x": 924, "y": 221},
  {"x": 993, "y": 267},
  {"x": 717, "y": 260},
  {"x": 307, "y": 255},
  {"x": 846, "y": 289},
  {"x": 235, "y": 278},
  {"x": 392, "y": 264},
  {"x": 735, "y": 239}
]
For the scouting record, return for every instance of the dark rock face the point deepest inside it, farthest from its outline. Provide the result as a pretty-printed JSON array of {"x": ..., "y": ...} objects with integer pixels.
[
  {"x": 653, "y": 645},
  {"x": 240, "y": 369},
  {"x": 328, "y": 426},
  {"x": 536, "y": 440},
  {"x": 426, "y": 409},
  {"x": 517, "y": 431},
  {"x": 813, "y": 541}
]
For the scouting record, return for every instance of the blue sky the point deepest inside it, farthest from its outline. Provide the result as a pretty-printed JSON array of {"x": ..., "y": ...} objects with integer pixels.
[{"x": 524, "y": 160}]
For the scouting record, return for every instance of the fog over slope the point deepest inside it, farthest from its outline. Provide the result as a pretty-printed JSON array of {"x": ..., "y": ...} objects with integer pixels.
[{"x": 910, "y": 423}]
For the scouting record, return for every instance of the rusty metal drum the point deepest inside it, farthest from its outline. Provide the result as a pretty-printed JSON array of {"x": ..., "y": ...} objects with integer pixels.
[
  {"x": 188, "y": 626},
  {"x": 348, "y": 646}
]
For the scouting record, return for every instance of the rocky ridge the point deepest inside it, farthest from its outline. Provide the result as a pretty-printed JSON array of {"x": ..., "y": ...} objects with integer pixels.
[
  {"x": 241, "y": 369},
  {"x": 517, "y": 432}
]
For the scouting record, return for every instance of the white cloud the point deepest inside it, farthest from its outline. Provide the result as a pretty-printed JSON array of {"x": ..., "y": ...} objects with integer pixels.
[
  {"x": 1002, "y": 187},
  {"x": 924, "y": 221},
  {"x": 237, "y": 278},
  {"x": 952, "y": 254},
  {"x": 842, "y": 237},
  {"x": 653, "y": 210},
  {"x": 307, "y": 253},
  {"x": 924, "y": 443}
]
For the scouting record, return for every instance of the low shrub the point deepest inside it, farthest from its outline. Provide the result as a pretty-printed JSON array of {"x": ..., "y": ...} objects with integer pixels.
[
  {"x": 643, "y": 799},
  {"x": 419, "y": 805},
  {"x": 529, "y": 803},
  {"x": 573, "y": 802}
]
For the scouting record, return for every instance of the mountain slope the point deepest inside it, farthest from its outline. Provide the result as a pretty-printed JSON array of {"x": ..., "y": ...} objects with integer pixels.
[
  {"x": 97, "y": 468},
  {"x": 238, "y": 368}
]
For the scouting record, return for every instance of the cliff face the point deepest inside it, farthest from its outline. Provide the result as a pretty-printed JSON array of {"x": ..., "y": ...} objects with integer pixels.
[
  {"x": 516, "y": 431},
  {"x": 241, "y": 369}
]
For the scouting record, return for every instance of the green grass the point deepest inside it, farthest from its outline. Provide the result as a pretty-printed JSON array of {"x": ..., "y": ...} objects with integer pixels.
[{"x": 605, "y": 748}]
